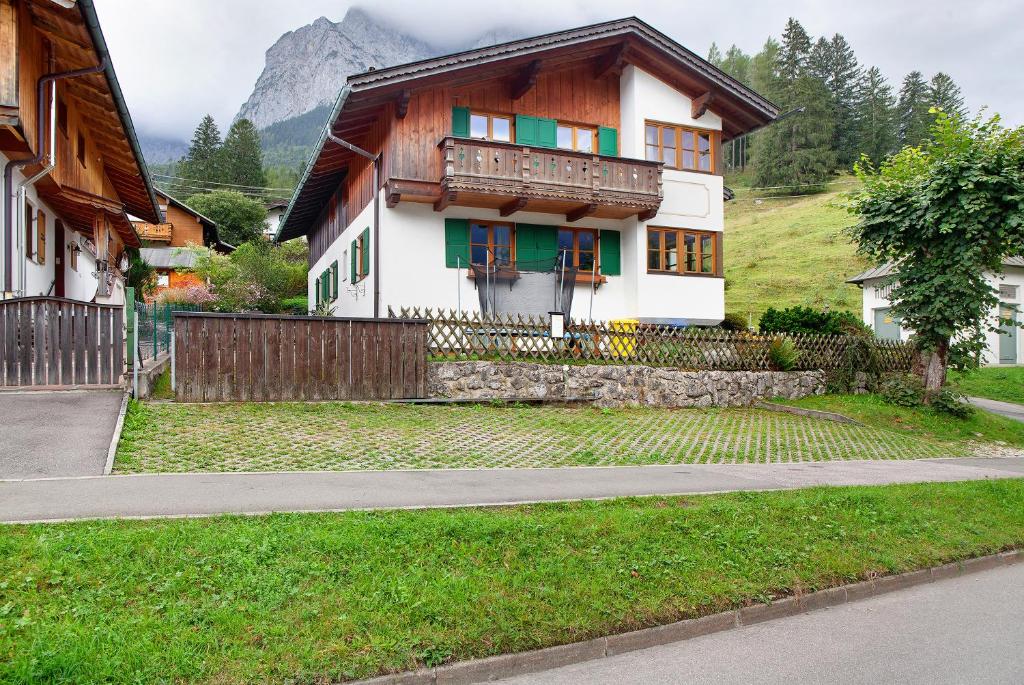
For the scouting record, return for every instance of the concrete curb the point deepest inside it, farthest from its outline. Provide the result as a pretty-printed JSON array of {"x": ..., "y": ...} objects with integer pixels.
[
  {"x": 521, "y": 663},
  {"x": 116, "y": 437},
  {"x": 810, "y": 413}
]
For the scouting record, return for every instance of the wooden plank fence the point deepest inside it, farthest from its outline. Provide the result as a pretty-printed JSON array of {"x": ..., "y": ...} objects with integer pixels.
[
  {"x": 469, "y": 336},
  {"x": 268, "y": 358},
  {"x": 52, "y": 341}
]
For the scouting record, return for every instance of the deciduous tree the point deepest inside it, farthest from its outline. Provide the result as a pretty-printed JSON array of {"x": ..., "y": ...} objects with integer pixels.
[
  {"x": 946, "y": 213},
  {"x": 239, "y": 219}
]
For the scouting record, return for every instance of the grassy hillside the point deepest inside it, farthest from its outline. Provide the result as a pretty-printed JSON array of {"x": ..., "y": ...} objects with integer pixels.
[{"x": 787, "y": 251}]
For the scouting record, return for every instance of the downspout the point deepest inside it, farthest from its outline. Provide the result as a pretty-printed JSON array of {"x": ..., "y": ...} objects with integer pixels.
[
  {"x": 44, "y": 81},
  {"x": 376, "y": 213}
]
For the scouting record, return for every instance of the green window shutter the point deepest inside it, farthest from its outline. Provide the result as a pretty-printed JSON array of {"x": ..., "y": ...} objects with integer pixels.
[
  {"x": 610, "y": 253},
  {"x": 325, "y": 282},
  {"x": 526, "y": 130},
  {"x": 460, "y": 122},
  {"x": 547, "y": 133},
  {"x": 456, "y": 243},
  {"x": 354, "y": 268},
  {"x": 366, "y": 251},
  {"x": 536, "y": 246},
  {"x": 334, "y": 280},
  {"x": 607, "y": 141}
]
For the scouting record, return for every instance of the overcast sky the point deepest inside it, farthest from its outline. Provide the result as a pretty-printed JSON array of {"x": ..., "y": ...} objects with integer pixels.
[{"x": 178, "y": 60}]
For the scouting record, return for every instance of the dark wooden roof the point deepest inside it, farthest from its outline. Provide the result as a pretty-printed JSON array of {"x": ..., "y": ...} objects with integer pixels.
[{"x": 366, "y": 95}]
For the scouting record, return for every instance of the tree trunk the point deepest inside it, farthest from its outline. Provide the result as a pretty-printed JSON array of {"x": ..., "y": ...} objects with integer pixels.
[{"x": 931, "y": 366}]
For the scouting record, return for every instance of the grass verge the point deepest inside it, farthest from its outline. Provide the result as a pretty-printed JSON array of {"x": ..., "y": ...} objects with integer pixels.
[
  {"x": 920, "y": 422},
  {"x": 310, "y": 598},
  {"x": 1004, "y": 383}
]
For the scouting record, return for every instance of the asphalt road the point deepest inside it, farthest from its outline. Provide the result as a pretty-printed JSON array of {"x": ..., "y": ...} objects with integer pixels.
[
  {"x": 1008, "y": 409},
  {"x": 963, "y": 630},
  {"x": 63, "y": 433},
  {"x": 219, "y": 493}
]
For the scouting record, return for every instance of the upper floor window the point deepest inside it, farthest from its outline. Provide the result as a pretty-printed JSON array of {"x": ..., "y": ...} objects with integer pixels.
[
  {"x": 62, "y": 116},
  {"x": 81, "y": 149},
  {"x": 680, "y": 147},
  {"x": 579, "y": 138},
  {"x": 579, "y": 246},
  {"x": 490, "y": 127},
  {"x": 673, "y": 250},
  {"x": 490, "y": 243}
]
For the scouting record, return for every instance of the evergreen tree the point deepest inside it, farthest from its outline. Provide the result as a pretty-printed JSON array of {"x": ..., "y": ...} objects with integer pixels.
[
  {"x": 798, "y": 149},
  {"x": 715, "y": 55},
  {"x": 202, "y": 163},
  {"x": 834, "y": 63},
  {"x": 876, "y": 116},
  {"x": 913, "y": 119},
  {"x": 764, "y": 66},
  {"x": 737, "y": 64},
  {"x": 242, "y": 156},
  {"x": 946, "y": 95}
]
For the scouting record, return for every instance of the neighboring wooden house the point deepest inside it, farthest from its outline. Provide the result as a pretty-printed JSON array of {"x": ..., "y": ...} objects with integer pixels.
[
  {"x": 598, "y": 148},
  {"x": 73, "y": 167},
  {"x": 163, "y": 243},
  {"x": 1003, "y": 347}
]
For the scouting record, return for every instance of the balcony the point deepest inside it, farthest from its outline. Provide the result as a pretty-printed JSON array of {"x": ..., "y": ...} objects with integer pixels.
[
  {"x": 156, "y": 232},
  {"x": 512, "y": 178}
]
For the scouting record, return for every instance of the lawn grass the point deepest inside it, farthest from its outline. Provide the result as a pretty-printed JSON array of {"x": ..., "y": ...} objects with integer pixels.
[
  {"x": 332, "y": 436},
  {"x": 791, "y": 251},
  {"x": 162, "y": 387},
  {"x": 920, "y": 422},
  {"x": 1004, "y": 383},
  {"x": 311, "y": 598}
]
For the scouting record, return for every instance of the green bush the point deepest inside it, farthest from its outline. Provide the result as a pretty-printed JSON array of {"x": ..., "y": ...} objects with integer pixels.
[
  {"x": 952, "y": 403},
  {"x": 903, "y": 390},
  {"x": 806, "y": 320},
  {"x": 296, "y": 306},
  {"x": 783, "y": 354},
  {"x": 734, "y": 322}
]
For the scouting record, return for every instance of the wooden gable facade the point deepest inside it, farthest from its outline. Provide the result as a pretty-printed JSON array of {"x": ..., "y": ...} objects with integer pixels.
[{"x": 99, "y": 175}]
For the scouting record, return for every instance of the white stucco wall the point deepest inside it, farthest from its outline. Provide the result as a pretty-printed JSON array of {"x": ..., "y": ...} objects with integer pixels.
[
  {"x": 78, "y": 285},
  {"x": 873, "y": 298},
  {"x": 354, "y": 299}
]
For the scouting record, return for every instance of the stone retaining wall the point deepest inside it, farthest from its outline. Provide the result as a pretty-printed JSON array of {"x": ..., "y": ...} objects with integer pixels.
[{"x": 616, "y": 386}]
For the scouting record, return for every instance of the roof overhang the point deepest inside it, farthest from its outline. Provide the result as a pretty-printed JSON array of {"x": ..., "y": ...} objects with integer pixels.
[
  {"x": 367, "y": 96},
  {"x": 73, "y": 30}
]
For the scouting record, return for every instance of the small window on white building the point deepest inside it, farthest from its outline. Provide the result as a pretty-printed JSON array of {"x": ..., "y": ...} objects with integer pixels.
[
  {"x": 1008, "y": 292},
  {"x": 344, "y": 260},
  {"x": 163, "y": 280}
]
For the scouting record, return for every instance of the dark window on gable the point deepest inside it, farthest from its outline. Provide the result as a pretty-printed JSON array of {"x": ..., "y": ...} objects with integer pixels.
[
  {"x": 81, "y": 149},
  {"x": 62, "y": 116}
]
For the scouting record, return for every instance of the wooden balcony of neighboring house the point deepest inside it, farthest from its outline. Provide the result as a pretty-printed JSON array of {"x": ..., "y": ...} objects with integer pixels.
[
  {"x": 511, "y": 177},
  {"x": 154, "y": 232}
]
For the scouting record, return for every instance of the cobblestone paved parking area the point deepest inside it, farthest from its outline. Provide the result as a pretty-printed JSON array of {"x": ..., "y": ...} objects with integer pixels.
[{"x": 338, "y": 436}]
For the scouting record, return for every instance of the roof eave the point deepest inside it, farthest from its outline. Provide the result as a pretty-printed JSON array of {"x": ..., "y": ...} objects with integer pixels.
[
  {"x": 92, "y": 25},
  {"x": 282, "y": 226}
]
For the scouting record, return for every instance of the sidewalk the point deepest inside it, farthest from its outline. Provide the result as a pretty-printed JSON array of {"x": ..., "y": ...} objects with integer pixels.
[{"x": 209, "y": 494}]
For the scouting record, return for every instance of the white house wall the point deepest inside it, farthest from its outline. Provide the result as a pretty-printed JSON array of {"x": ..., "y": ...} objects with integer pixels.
[
  {"x": 354, "y": 299},
  {"x": 39, "y": 278},
  {"x": 873, "y": 298}
]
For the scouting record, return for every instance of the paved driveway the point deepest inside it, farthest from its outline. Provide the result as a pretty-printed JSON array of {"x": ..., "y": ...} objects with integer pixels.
[{"x": 52, "y": 434}]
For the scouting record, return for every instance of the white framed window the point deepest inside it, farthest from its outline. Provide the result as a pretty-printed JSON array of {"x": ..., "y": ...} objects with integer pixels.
[
  {"x": 163, "y": 280},
  {"x": 1008, "y": 292}
]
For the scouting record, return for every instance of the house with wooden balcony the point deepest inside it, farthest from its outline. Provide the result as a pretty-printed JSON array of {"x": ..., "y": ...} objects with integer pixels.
[
  {"x": 73, "y": 170},
  {"x": 593, "y": 153},
  {"x": 165, "y": 245}
]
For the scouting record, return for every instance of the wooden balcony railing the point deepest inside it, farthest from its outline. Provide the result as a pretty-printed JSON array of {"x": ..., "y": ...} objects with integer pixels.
[
  {"x": 154, "y": 231},
  {"x": 531, "y": 173}
]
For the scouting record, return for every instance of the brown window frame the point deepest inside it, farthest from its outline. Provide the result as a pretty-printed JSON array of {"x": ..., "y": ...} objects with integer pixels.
[
  {"x": 40, "y": 236},
  {"x": 681, "y": 252},
  {"x": 491, "y": 116},
  {"x": 661, "y": 127},
  {"x": 576, "y": 128},
  {"x": 576, "y": 231},
  {"x": 490, "y": 244}
]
